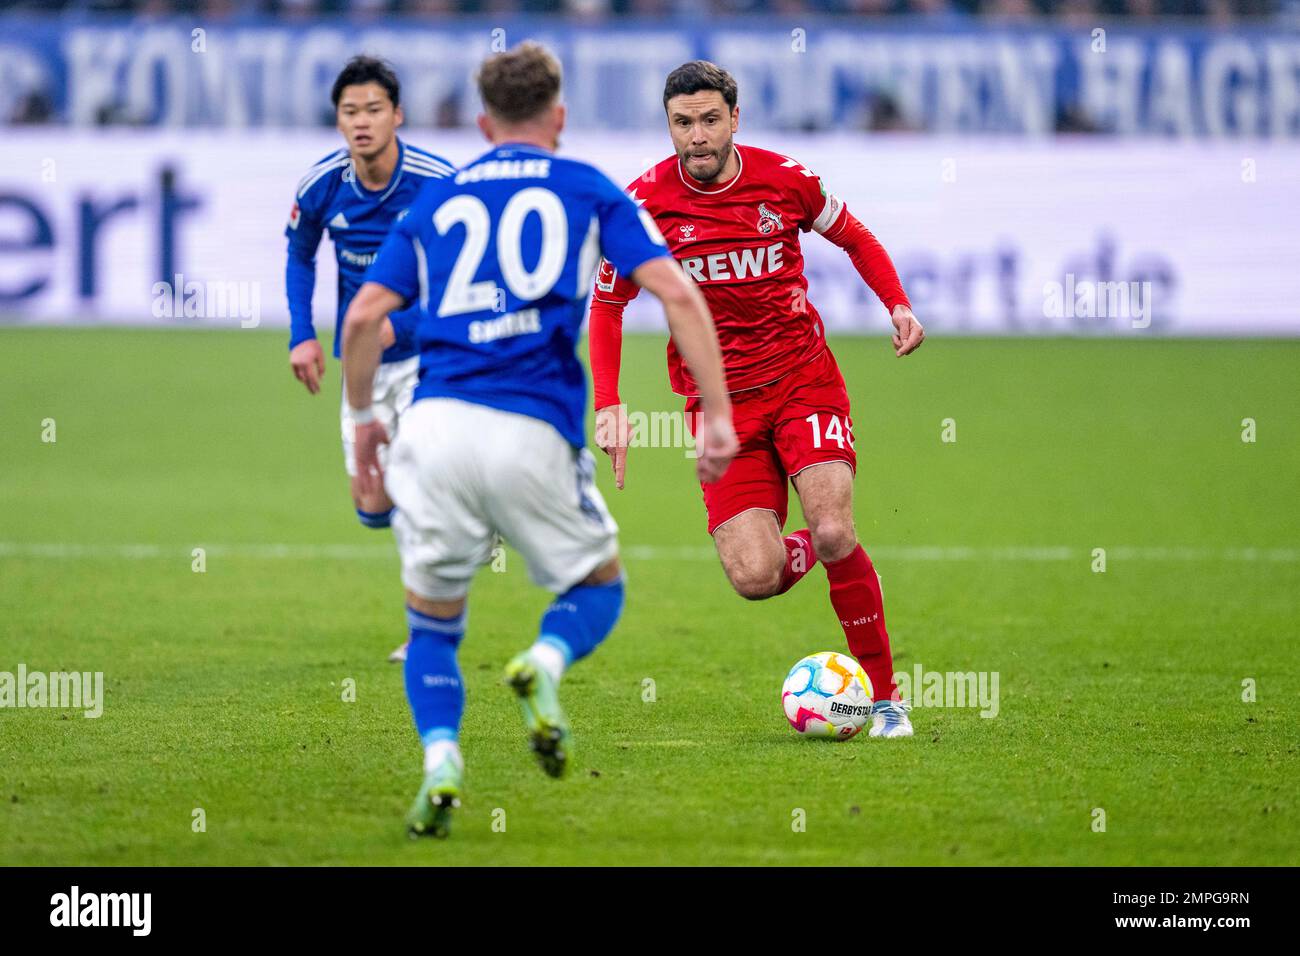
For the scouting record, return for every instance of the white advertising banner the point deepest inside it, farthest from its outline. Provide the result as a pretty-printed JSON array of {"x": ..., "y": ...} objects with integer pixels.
[{"x": 1062, "y": 236}]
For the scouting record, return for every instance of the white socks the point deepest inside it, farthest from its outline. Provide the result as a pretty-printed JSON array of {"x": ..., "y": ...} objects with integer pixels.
[
  {"x": 441, "y": 750},
  {"x": 549, "y": 658}
]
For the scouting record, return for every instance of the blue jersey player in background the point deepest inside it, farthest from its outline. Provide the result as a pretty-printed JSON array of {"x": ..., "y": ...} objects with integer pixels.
[
  {"x": 357, "y": 193},
  {"x": 500, "y": 260}
]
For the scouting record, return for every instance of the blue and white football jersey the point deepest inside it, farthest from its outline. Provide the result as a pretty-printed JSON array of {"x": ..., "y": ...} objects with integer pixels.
[
  {"x": 500, "y": 259},
  {"x": 358, "y": 219}
]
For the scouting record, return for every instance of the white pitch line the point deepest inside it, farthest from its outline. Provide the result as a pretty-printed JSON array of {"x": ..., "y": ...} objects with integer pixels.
[
  {"x": 648, "y": 552},
  {"x": 658, "y": 743},
  {"x": 58, "y": 550}
]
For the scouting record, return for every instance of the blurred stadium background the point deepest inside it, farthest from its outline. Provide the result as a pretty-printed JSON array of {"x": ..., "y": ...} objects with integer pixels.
[{"x": 1000, "y": 148}]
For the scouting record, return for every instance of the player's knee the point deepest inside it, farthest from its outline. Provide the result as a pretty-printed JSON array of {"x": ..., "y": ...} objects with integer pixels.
[
  {"x": 754, "y": 581},
  {"x": 609, "y": 571},
  {"x": 833, "y": 538}
]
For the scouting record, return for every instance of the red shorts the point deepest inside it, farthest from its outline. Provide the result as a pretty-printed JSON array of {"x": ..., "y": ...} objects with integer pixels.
[{"x": 799, "y": 420}]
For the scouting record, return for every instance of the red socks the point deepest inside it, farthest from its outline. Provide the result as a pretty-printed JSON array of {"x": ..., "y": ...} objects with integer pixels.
[
  {"x": 799, "y": 559},
  {"x": 855, "y": 595}
]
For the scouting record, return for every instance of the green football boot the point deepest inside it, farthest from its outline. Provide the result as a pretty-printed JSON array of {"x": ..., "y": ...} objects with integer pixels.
[
  {"x": 544, "y": 721},
  {"x": 430, "y": 814}
]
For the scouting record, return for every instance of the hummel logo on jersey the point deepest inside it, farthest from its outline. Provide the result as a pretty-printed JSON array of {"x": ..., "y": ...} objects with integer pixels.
[
  {"x": 340, "y": 221},
  {"x": 688, "y": 233},
  {"x": 768, "y": 221}
]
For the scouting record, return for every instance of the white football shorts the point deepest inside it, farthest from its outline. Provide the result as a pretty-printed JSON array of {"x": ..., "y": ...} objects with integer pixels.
[
  {"x": 459, "y": 473},
  {"x": 394, "y": 385}
]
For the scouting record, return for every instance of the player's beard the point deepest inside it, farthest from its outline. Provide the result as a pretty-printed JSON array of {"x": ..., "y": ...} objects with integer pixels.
[{"x": 714, "y": 170}]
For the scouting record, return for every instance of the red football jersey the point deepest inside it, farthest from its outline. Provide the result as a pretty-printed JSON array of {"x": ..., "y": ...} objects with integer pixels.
[{"x": 740, "y": 243}]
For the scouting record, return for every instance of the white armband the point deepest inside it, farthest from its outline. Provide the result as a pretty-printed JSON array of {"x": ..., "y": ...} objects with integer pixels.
[
  {"x": 362, "y": 416},
  {"x": 830, "y": 212}
]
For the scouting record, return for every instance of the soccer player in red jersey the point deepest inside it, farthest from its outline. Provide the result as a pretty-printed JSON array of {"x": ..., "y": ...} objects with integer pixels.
[{"x": 732, "y": 216}]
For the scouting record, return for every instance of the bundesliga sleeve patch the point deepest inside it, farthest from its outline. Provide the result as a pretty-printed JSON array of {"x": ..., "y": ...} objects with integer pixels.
[
  {"x": 294, "y": 215},
  {"x": 605, "y": 276}
]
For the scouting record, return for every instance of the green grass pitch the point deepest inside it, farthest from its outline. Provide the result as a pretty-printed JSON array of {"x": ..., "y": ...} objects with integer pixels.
[{"x": 1120, "y": 691}]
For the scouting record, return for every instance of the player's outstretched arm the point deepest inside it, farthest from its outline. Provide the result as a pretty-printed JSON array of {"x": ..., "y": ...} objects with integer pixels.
[
  {"x": 605, "y": 346},
  {"x": 692, "y": 330},
  {"x": 305, "y": 356},
  {"x": 877, "y": 270},
  {"x": 362, "y": 349}
]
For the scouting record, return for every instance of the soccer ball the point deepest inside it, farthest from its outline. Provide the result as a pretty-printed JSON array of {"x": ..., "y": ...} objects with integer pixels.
[{"x": 827, "y": 695}]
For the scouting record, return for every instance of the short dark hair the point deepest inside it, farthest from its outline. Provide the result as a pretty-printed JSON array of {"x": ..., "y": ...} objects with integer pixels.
[
  {"x": 519, "y": 84},
  {"x": 700, "y": 75},
  {"x": 367, "y": 69}
]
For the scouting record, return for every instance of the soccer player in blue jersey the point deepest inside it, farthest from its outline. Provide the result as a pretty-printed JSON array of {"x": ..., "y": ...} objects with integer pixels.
[
  {"x": 357, "y": 193},
  {"x": 500, "y": 259}
]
